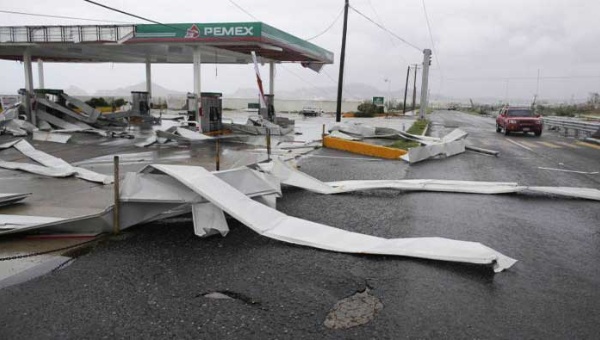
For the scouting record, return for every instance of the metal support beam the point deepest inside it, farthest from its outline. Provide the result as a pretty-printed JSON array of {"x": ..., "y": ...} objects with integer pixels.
[
  {"x": 149, "y": 78},
  {"x": 271, "y": 78},
  {"x": 198, "y": 79},
  {"x": 40, "y": 64},
  {"x": 424, "y": 82},
  {"x": 28, "y": 85}
]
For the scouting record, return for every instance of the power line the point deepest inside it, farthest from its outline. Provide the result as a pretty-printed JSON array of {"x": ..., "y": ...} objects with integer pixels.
[
  {"x": 243, "y": 10},
  {"x": 379, "y": 18},
  {"x": 63, "y": 17},
  {"x": 431, "y": 38},
  {"x": 133, "y": 15},
  {"x": 329, "y": 27},
  {"x": 123, "y": 12},
  {"x": 386, "y": 30}
]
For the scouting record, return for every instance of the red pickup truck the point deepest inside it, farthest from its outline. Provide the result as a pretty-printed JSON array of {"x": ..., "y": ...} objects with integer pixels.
[{"x": 516, "y": 119}]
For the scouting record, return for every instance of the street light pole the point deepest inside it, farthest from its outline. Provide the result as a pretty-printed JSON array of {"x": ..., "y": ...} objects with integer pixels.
[
  {"x": 425, "y": 82},
  {"x": 338, "y": 111}
]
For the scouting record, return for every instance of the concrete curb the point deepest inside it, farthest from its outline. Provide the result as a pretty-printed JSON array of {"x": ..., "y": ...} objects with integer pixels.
[
  {"x": 426, "y": 130},
  {"x": 363, "y": 148}
]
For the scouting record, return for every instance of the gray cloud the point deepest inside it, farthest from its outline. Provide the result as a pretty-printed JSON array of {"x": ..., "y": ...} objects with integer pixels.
[{"x": 474, "y": 40}]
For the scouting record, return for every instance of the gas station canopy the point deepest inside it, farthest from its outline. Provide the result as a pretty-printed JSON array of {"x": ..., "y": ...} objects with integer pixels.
[{"x": 221, "y": 43}]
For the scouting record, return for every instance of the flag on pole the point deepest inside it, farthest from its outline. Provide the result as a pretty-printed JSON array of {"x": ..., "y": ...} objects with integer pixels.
[{"x": 263, "y": 102}]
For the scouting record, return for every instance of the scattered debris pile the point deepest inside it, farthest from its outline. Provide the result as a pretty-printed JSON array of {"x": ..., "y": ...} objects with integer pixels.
[
  {"x": 57, "y": 115},
  {"x": 256, "y": 125},
  {"x": 431, "y": 147}
]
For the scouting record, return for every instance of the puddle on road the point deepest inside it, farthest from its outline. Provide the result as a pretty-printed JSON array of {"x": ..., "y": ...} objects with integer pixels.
[{"x": 356, "y": 310}]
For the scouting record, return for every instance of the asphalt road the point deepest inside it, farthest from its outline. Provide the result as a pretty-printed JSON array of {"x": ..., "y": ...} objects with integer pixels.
[{"x": 150, "y": 282}]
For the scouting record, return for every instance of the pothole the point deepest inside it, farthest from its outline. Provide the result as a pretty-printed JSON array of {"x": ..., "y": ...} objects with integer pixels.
[{"x": 353, "y": 311}]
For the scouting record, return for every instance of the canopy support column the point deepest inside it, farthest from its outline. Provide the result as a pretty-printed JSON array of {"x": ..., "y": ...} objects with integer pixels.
[
  {"x": 149, "y": 78},
  {"x": 40, "y": 64},
  {"x": 271, "y": 78},
  {"x": 198, "y": 80},
  {"x": 28, "y": 86}
]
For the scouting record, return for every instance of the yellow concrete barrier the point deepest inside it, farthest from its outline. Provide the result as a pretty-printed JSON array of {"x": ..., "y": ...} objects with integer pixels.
[{"x": 363, "y": 148}]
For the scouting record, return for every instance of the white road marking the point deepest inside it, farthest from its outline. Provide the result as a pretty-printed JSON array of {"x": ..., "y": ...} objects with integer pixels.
[{"x": 523, "y": 146}]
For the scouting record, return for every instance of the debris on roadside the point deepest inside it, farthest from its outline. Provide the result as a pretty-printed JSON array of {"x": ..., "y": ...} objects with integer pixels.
[
  {"x": 449, "y": 145},
  {"x": 293, "y": 177},
  {"x": 277, "y": 225},
  {"x": 256, "y": 125}
]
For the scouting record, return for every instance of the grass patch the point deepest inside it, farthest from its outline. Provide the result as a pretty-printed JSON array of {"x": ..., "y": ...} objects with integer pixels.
[
  {"x": 416, "y": 129},
  {"x": 404, "y": 144}
]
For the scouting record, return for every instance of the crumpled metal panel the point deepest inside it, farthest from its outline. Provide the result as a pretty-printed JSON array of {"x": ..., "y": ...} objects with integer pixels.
[
  {"x": 209, "y": 220},
  {"x": 9, "y": 198},
  {"x": 290, "y": 176},
  {"x": 156, "y": 188},
  {"x": 354, "y": 128},
  {"x": 21, "y": 221},
  {"x": 277, "y": 225},
  {"x": 586, "y": 193},
  {"x": 52, "y": 166},
  {"x": 47, "y": 136},
  {"x": 422, "y": 153}
]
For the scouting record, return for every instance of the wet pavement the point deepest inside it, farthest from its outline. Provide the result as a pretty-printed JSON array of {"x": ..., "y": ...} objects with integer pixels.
[{"x": 152, "y": 283}]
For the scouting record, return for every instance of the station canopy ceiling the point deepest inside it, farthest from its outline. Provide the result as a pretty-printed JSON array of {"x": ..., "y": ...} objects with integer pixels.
[{"x": 220, "y": 43}]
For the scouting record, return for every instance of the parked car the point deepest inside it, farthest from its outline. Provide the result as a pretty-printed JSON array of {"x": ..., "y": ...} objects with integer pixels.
[
  {"x": 310, "y": 111},
  {"x": 518, "y": 119}
]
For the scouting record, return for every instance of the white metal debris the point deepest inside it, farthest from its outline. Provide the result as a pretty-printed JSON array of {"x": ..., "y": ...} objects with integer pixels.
[
  {"x": 290, "y": 176},
  {"x": 47, "y": 136},
  {"x": 277, "y": 225},
  {"x": 209, "y": 220},
  {"x": 10, "y": 198},
  {"x": 341, "y": 135},
  {"x": 20, "y": 221},
  {"x": 52, "y": 166},
  {"x": 147, "y": 142},
  {"x": 450, "y": 145},
  {"x": 354, "y": 128},
  {"x": 184, "y": 135}
]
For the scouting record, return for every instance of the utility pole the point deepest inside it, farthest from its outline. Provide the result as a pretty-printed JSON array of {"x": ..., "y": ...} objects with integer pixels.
[
  {"x": 406, "y": 89},
  {"x": 338, "y": 111},
  {"x": 424, "y": 82},
  {"x": 415, "y": 88}
]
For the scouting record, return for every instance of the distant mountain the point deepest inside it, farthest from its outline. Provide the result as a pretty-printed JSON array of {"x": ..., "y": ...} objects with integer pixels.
[
  {"x": 351, "y": 92},
  {"x": 76, "y": 91},
  {"x": 157, "y": 91}
]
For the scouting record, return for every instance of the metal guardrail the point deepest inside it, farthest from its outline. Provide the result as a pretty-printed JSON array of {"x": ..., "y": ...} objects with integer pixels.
[{"x": 574, "y": 124}]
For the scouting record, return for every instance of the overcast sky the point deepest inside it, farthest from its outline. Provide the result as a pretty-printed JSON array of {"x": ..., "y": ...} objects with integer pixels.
[{"x": 484, "y": 48}]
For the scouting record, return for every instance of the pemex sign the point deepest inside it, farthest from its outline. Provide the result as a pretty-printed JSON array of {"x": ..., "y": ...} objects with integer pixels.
[{"x": 198, "y": 31}]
